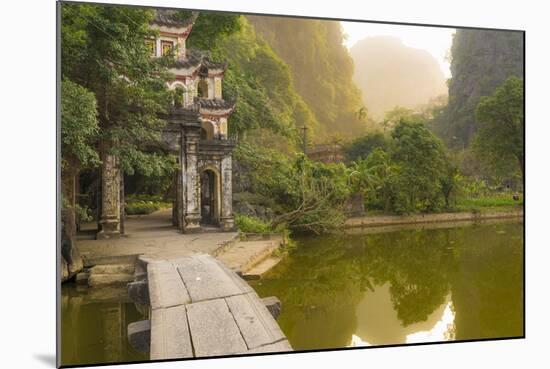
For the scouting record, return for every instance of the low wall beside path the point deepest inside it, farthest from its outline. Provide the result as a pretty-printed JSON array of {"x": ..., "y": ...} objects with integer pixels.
[{"x": 388, "y": 220}]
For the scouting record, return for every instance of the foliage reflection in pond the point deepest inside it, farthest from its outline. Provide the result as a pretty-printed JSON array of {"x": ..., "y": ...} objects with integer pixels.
[{"x": 401, "y": 287}]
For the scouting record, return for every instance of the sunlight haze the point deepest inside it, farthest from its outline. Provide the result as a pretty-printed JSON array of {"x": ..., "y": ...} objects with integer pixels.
[{"x": 437, "y": 41}]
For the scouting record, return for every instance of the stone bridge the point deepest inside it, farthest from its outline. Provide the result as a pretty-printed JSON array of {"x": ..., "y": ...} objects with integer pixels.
[{"x": 198, "y": 308}]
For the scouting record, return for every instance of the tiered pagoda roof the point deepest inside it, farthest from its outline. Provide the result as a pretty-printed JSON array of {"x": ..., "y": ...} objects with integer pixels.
[
  {"x": 193, "y": 62},
  {"x": 172, "y": 18}
]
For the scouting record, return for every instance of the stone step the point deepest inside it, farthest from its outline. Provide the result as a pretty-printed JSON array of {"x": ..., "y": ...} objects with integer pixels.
[
  {"x": 244, "y": 255},
  {"x": 113, "y": 269},
  {"x": 261, "y": 268},
  {"x": 90, "y": 261},
  {"x": 96, "y": 280}
]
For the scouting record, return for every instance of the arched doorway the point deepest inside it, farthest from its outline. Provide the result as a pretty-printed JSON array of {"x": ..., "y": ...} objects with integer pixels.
[{"x": 209, "y": 197}]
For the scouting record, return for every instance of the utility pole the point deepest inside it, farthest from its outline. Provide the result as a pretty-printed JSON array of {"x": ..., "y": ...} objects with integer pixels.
[{"x": 304, "y": 130}]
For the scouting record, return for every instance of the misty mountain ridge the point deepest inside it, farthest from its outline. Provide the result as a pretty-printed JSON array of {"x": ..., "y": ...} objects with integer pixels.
[{"x": 391, "y": 74}]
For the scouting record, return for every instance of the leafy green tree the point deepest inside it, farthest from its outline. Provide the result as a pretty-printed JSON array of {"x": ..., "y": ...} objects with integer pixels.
[
  {"x": 499, "y": 139},
  {"x": 362, "y": 146},
  {"x": 387, "y": 173},
  {"x": 211, "y": 28},
  {"x": 103, "y": 50},
  {"x": 394, "y": 116},
  {"x": 307, "y": 196},
  {"x": 79, "y": 127},
  {"x": 316, "y": 200},
  {"x": 375, "y": 178},
  {"x": 420, "y": 155},
  {"x": 264, "y": 87},
  {"x": 449, "y": 181},
  {"x": 79, "y": 132}
]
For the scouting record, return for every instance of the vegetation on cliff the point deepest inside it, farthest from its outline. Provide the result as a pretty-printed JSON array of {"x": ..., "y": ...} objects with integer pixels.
[
  {"x": 481, "y": 60},
  {"x": 321, "y": 68}
]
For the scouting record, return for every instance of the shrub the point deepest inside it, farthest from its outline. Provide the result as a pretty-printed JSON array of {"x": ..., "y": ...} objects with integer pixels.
[
  {"x": 144, "y": 204},
  {"x": 249, "y": 224}
]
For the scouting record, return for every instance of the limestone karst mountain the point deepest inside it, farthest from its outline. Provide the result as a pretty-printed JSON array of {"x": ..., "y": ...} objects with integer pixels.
[
  {"x": 391, "y": 74},
  {"x": 481, "y": 61}
]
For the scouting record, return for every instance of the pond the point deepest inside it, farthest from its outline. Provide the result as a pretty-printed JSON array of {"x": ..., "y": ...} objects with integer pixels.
[
  {"x": 406, "y": 286},
  {"x": 94, "y": 324}
]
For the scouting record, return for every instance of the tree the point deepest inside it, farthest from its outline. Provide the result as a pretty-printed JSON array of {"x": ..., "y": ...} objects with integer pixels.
[
  {"x": 375, "y": 178},
  {"x": 79, "y": 132},
  {"x": 481, "y": 61},
  {"x": 394, "y": 116},
  {"x": 316, "y": 199},
  {"x": 211, "y": 28},
  {"x": 361, "y": 114},
  {"x": 104, "y": 51},
  {"x": 304, "y": 195},
  {"x": 499, "y": 139},
  {"x": 449, "y": 181},
  {"x": 361, "y": 147},
  {"x": 420, "y": 155}
]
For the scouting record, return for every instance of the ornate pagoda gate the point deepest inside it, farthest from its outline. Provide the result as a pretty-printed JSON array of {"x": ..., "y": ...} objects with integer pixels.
[{"x": 196, "y": 132}]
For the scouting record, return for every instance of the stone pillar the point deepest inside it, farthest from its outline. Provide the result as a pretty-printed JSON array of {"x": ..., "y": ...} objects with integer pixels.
[
  {"x": 190, "y": 180},
  {"x": 180, "y": 191},
  {"x": 176, "y": 205},
  {"x": 122, "y": 201},
  {"x": 110, "y": 198},
  {"x": 227, "y": 222}
]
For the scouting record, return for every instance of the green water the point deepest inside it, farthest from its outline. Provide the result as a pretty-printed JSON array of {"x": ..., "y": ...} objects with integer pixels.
[
  {"x": 94, "y": 324},
  {"x": 386, "y": 288},
  {"x": 401, "y": 287}
]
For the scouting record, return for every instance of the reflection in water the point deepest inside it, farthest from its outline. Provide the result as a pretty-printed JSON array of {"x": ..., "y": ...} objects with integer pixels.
[
  {"x": 378, "y": 323},
  {"x": 443, "y": 330},
  {"x": 401, "y": 287},
  {"x": 94, "y": 326}
]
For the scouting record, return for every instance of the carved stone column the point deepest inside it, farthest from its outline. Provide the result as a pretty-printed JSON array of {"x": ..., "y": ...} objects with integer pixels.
[
  {"x": 110, "y": 198},
  {"x": 190, "y": 180},
  {"x": 227, "y": 222}
]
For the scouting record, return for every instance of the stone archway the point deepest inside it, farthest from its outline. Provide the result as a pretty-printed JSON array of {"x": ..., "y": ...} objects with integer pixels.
[{"x": 209, "y": 197}]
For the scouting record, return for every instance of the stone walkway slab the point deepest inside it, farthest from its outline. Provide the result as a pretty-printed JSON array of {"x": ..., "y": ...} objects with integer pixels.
[
  {"x": 166, "y": 288},
  {"x": 213, "y": 329},
  {"x": 205, "y": 279},
  {"x": 170, "y": 336},
  {"x": 254, "y": 320}
]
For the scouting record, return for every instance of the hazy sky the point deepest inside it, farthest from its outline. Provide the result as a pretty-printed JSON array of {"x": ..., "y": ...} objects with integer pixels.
[{"x": 437, "y": 41}]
